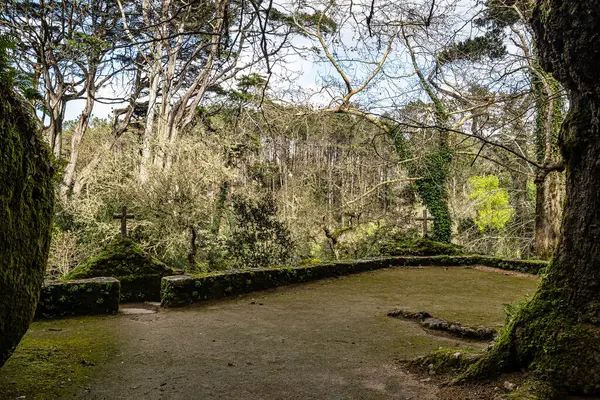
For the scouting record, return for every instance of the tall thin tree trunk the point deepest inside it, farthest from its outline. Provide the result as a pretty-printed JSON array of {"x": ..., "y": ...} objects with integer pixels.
[
  {"x": 53, "y": 132},
  {"x": 522, "y": 225},
  {"x": 521, "y": 218},
  {"x": 146, "y": 151},
  {"x": 78, "y": 134}
]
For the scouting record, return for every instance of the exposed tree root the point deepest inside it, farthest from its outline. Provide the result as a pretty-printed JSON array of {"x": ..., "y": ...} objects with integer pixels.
[
  {"x": 446, "y": 361},
  {"x": 557, "y": 347},
  {"x": 428, "y": 321}
]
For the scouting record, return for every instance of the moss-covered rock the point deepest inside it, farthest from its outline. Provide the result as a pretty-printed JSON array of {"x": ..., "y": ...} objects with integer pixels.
[
  {"x": 447, "y": 360},
  {"x": 428, "y": 321},
  {"x": 81, "y": 297},
  {"x": 26, "y": 208},
  {"x": 139, "y": 273},
  {"x": 419, "y": 247}
]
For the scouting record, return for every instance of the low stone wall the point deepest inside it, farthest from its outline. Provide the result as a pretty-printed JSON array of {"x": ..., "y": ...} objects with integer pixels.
[
  {"x": 140, "y": 288},
  {"x": 181, "y": 290},
  {"x": 526, "y": 266},
  {"x": 79, "y": 297}
]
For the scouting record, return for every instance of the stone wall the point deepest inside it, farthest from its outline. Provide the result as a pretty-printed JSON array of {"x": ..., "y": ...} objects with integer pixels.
[
  {"x": 181, "y": 290},
  {"x": 101, "y": 295},
  {"x": 526, "y": 266},
  {"x": 80, "y": 297}
]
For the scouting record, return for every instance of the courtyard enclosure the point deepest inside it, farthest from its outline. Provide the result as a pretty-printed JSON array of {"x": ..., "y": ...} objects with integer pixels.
[
  {"x": 245, "y": 145},
  {"x": 328, "y": 339}
]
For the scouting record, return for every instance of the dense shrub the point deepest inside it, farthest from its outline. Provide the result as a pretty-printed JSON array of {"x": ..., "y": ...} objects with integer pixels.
[{"x": 258, "y": 238}]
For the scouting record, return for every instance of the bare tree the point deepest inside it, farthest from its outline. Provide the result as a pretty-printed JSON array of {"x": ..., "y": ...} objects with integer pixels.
[
  {"x": 71, "y": 51},
  {"x": 189, "y": 49}
]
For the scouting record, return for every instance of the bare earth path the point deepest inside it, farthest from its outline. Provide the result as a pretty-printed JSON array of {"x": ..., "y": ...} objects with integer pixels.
[{"x": 324, "y": 340}]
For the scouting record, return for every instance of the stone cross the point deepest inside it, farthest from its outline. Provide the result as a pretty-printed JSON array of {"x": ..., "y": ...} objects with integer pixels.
[
  {"x": 425, "y": 219},
  {"x": 123, "y": 217}
]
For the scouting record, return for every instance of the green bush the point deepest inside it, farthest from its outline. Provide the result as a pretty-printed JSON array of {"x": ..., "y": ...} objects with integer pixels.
[
  {"x": 258, "y": 239},
  {"x": 417, "y": 247}
]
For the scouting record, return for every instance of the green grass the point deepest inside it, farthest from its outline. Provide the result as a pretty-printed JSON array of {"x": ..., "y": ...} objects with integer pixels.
[
  {"x": 470, "y": 296},
  {"x": 55, "y": 357}
]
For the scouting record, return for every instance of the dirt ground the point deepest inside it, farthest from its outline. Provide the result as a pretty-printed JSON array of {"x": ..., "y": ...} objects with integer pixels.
[{"x": 324, "y": 340}]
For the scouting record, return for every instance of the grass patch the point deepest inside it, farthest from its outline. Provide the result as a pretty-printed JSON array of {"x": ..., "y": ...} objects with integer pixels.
[{"x": 55, "y": 357}]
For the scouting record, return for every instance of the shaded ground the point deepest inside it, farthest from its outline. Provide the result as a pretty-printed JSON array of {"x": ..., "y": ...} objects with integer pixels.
[
  {"x": 324, "y": 340},
  {"x": 55, "y": 356}
]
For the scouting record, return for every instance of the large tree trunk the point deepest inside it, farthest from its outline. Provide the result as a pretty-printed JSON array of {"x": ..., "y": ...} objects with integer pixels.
[
  {"x": 550, "y": 188},
  {"x": 550, "y": 194},
  {"x": 26, "y": 209},
  {"x": 556, "y": 336}
]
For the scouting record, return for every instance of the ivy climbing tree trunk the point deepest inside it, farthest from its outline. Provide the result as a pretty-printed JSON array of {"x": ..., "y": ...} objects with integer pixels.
[
  {"x": 435, "y": 168},
  {"x": 433, "y": 190},
  {"x": 556, "y": 335}
]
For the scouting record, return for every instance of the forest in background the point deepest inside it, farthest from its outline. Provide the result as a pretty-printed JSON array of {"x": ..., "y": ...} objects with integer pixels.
[{"x": 227, "y": 160}]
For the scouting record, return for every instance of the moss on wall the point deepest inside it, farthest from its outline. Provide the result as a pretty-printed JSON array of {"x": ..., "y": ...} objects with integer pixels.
[
  {"x": 81, "y": 297},
  {"x": 419, "y": 247},
  {"x": 525, "y": 266},
  {"x": 26, "y": 208},
  {"x": 181, "y": 290},
  {"x": 139, "y": 273}
]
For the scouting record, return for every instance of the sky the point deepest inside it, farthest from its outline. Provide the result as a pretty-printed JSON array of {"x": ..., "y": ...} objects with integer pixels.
[{"x": 306, "y": 75}]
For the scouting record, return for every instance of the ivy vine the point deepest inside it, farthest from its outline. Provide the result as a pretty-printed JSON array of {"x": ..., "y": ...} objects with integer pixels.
[
  {"x": 434, "y": 169},
  {"x": 433, "y": 191}
]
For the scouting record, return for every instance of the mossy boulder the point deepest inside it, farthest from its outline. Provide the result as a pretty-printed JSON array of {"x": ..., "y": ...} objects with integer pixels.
[
  {"x": 26, "y": 209},
  {"x": 139, "y": 273},
  {"x": 418, "y": 247}
]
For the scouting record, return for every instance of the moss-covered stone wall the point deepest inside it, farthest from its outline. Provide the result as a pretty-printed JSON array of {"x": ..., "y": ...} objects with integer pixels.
[
  {"x": 26, "y": 208},
  {"x": 525, "y": 266},
  {"x": 81, "y": 297},
  {"x": 181, "y": 290}
]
